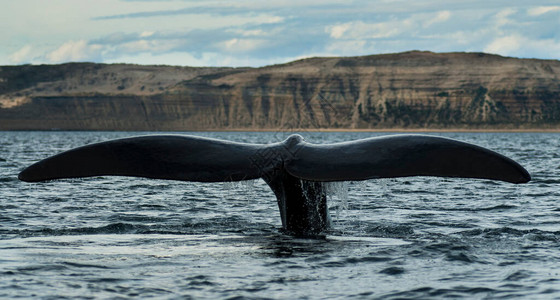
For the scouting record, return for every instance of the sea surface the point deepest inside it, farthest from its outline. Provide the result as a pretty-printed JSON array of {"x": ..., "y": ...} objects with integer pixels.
[{"x": 406, "y": 238}]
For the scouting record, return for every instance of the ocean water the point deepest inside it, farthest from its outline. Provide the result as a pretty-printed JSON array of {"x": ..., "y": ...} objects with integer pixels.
[{"x": 421, "y": 237}]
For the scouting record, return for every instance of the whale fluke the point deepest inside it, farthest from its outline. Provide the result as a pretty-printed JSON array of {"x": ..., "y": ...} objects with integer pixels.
[
  {"x": 294, "y": 169},
  {"x": 174, "y": 157},
  {"x": 402, "y": 156}
]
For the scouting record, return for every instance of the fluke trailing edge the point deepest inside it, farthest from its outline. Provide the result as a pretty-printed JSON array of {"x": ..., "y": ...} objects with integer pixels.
[{"x": 294, "y": 169}]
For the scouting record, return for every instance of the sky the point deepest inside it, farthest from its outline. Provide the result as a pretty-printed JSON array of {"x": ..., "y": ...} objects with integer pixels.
[{"x": 257, "y": 33}]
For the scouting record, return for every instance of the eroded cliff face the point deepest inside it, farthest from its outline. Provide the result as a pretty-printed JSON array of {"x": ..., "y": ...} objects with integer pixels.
[{"x": 405, "y": 90}]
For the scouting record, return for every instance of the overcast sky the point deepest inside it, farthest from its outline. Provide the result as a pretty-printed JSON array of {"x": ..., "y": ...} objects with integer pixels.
[{"x": 257, "y": 33}]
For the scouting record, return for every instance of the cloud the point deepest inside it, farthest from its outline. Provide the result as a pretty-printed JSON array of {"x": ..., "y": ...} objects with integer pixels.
[
  {"x": 347, "y": 47},
  {"x": 23, "y": 55},
  {"x": 242, "y": 45},
  {"x": 440, "y": 17},
  {"x": 229, "y": 8},
  {"x": 253, "y": 32},
  {"x": 246, "y": 32},
  {"x": 202, "y": 60},
  {"x": 75, "y": 51},
  {"x": 505, "y": 45},
  {"x": 149, "y": 58},
  {"x": 502, "y": 17},
  {"x": 146, "y": 34},
  {"x": 153, "y": 46},
  {"x": 406, "y": 25},
  {"x": 255, "y": 41},
  {"x": 248, "y": 15},
  {"x": 541, "y": 10},
  {"x": 338, "y": 31},
  {"x": 521, "y": 46},
  {"x": 362, "y": 30},
  {"x": 171, "y": 12}
]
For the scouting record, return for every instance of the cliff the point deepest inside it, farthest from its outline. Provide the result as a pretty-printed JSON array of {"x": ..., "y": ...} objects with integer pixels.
[{"x": 406, "y": 90}]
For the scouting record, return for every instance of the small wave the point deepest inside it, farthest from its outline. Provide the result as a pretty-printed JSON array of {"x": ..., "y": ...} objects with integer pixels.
[
  {"x": 518, "y": 275},
  {"x": 9, "y": 179},
  {"x": 446, "y": 224},
  {"x": 453, "y": 251},
  {"x": 490, "y": 208},
  {"x": 78, "y": 265},
  {"x": 546, "y": 181},
  {"x": 33, "y": 269},
  {"x": 8, "y": 206},
  {"x": 104, "y": 280},
  {"x": 532, "y": 234},
  {"x": 446, "y": 247},
  {"x": 200, "y": 280},
  {"x": 462, "y": 257},
  {"x": 199, "y": 227},
  {"x": 390, "y": 231},
  {"x": 356, "y": 260},
  {"x": 137, "y": 218},
  {"x": 367, "y": 259},
  {"x": 152, "y": 206},
  {"x": 115, "y": 228},
  {"x": 149, "y": 186},
  {"x": 497, "y": 207},
  {"x": 498, "y": 231},
  {"x": 5, "y": 220},
  {"x": 429, "y": 293},
  {"x": 392, "y": 271},
  {"x": 108, "y": 229}
]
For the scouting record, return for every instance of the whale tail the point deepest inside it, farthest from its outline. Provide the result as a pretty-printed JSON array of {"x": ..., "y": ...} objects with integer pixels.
[
  {"x": 185, "y": 158},
  {"x": 190, "y": 158},
  {"x": 403, "y": 156},
  {"x": 292, "y": 168}
]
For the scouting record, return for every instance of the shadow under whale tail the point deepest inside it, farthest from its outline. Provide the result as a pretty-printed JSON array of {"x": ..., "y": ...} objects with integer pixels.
[{"x": 294, "y": 169}]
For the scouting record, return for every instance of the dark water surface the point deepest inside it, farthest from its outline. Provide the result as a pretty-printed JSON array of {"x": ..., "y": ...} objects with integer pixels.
[{"x": 119, "y": 237}]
